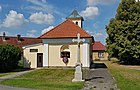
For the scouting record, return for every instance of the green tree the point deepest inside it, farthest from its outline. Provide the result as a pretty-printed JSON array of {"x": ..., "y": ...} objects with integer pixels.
[
  {"x": 9, "y": 57},
  {"x": 123, "y": 31}
]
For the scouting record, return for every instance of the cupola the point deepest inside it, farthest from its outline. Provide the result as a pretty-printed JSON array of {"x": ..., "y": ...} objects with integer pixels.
[{"x": 76, "y": 18}]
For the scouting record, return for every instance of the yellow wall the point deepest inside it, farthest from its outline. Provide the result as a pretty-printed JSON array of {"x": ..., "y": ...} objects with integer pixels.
[
  {"x": 55, "y": 58},
  {"x": 30, "y": 58},
  {"x": 54, "y": 55},
  {"x": 95, "y": 56}
]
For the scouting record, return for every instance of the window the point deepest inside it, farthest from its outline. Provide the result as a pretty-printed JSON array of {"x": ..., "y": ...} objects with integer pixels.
[
  {"x": 100, "y": 54},
  {"x": 65, "y": 54},
  {"x": 76, "y": 23},
  {"x": 64, "y": 51},
  {"x": 33, "y": 50}
]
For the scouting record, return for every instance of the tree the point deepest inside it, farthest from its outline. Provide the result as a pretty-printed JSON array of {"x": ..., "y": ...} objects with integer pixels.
[
  {"x": 9, "y": 57},
  {"x": 123, "y": 31}
]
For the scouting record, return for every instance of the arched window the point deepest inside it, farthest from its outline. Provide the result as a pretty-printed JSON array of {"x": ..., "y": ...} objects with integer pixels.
[{"x": 65, "y": 52}]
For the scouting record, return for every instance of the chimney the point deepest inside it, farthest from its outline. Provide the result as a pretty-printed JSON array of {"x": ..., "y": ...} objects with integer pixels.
[
  {"x": 19, "y": 37},
  {"x": 4, "y": 37}
]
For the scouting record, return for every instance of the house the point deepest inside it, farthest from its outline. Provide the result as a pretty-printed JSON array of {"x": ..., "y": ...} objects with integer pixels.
[
  {"x": 58, "y": 49},
  {"x": 99, "y": 52}
]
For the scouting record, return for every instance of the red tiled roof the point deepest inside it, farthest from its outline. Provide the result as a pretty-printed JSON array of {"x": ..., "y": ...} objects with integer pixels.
[
  {"x": 23, "y": 41},
  {"x": 67, "y": 29},
  {"x": 98, "y": 46}
]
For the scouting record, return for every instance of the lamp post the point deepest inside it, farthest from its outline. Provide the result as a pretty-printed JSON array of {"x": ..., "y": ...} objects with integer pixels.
[{"x": 78, "y": 67}]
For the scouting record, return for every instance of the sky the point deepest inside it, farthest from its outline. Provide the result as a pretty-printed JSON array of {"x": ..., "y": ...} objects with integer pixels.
[{"x": 32, "y": 18}]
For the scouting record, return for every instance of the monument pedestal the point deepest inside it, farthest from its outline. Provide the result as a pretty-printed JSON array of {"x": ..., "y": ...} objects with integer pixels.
[{"x": 78, "y": 73}]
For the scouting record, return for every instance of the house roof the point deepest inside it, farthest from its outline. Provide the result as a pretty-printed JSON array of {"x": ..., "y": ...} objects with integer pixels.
[
  {"x": 74, "y": 15},
  {"x": 67, "y": 29},
  {"x": 97, "y": 46},
  {"x": 23, "y": 41}
]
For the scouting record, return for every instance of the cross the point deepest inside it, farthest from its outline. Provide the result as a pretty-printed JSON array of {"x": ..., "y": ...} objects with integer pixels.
[
  {"x": 78, "y": 40},
  {"x": 78, "y": 67}
]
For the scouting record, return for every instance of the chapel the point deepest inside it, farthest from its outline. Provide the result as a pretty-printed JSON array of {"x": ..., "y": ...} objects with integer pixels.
[{"x": 56, "y": 48}]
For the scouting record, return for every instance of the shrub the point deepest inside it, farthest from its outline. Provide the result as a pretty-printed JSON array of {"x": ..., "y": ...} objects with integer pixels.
[
  {"x": 9, "y": 57},
  {"x": 20, "y": 64}
]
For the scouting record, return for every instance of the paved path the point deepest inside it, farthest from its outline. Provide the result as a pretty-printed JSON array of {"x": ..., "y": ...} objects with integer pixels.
[
  {"x": 100, "y": 79},
  {"x": 4, "y": 87}
]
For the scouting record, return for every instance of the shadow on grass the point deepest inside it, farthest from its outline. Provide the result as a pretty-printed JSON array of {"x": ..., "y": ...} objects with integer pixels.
[
  {"x": 97, "y": 65},
  {"x": 132, "y": 62},
  {"x": 18, "y": 69},
  {"x": 21, "y": 69}
]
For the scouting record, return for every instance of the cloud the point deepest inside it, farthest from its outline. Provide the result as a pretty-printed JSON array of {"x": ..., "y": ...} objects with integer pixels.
[
  {"x": 98, "y": 35},
  {"x": 31, "y": 33},
  {"x": 47, "y": 29},
  {"x": 39, "y": 5},
  {"x": 14, "y": 20},
  {"x": 0, "y": 8},
  {"x": 44, "y": 1},
  {"x": 42, "y": 6},
  {"x": 96, "y": 25},
  {"x": 104, "y": 2},
  {"x": 40, "y": 18},
  {"x": 90, "y": 12},
  {"x": 90, "y": 32}
]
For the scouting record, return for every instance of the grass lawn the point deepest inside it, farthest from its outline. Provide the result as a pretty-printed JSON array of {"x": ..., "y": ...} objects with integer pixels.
[
  {"x": 127, "y": 79},
  {"x": 46, "y": 79}
]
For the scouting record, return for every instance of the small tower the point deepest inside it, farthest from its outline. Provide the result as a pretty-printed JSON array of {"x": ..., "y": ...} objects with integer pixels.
[
  {"x": 76, "y": 18},
  {"x": 4, "y": 36},
  {"x": 19, "y": 38}
]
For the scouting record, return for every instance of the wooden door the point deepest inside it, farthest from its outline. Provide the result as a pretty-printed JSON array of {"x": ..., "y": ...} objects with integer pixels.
[{"x": 39, "y": 59}]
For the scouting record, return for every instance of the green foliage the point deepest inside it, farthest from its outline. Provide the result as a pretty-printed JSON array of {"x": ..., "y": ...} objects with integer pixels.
[
  {"x": 20, "y": 64},
  {"x": 123, "y": 31},
  {"x": 9, "y": 57}
]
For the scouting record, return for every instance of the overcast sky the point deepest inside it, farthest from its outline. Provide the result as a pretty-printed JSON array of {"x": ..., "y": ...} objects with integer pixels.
[{"x": 31, "y": 18}]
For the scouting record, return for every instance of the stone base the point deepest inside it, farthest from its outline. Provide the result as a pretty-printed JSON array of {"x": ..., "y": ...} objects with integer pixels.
[
  {"x": 74, "y": 80},
  {"x": 78, "y": 74}
]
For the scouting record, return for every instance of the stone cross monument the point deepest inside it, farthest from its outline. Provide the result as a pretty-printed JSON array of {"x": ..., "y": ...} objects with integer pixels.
[{"x": 78, "y": 67}]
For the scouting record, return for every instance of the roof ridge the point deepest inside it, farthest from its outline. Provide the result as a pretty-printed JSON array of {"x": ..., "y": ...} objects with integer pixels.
[{"x": 21, "y": 37}]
